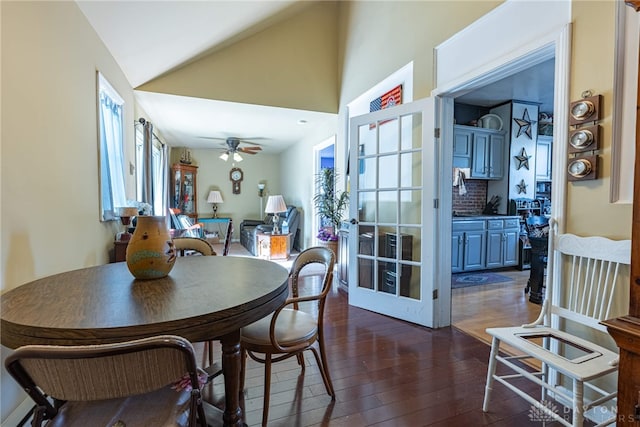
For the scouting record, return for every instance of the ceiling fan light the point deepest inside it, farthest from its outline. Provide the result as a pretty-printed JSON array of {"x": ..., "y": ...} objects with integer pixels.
[
  {"x": 224, "y": 156},
  {"x": 237, "y": 157}
]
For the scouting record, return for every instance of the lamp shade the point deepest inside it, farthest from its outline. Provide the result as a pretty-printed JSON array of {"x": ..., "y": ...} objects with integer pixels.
[
  {"x": 214, "y": 197},
  {"x": 275, "y": 204}
]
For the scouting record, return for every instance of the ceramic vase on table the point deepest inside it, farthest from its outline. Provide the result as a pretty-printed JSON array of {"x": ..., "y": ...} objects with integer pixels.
[{"x": 150, "y": 253}]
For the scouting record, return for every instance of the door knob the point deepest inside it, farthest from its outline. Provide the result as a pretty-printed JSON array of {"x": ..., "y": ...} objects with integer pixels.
[{"x": 353, "y": 221}]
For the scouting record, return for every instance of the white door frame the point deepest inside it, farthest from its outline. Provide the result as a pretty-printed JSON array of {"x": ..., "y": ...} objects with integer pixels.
[
  {"x": 558, "y": 46},
  {"x": 315, "y": 221}
]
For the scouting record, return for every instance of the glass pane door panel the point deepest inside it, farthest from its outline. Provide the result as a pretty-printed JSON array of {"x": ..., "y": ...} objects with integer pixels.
[
  {"x": 410, "y": 206},
  {"x": 365, "y": 273},
  {"x": 367, "y": 140},
  {"x": 410, "y": 281},
  {"x": 410, "y": 170},
  {"x": 410, "y": 244},
  {"x": 387, "y": 280},
  {"x": 411, "y": 128},
  {"x": 366, "y": 206},
  {"x": 389, "y": 134},
  {"x": 367, "y": 242},
  {"x": 388, "y": 177},
  {"x": 388, "y": 206},
  {"x": 367, "y": 174}
]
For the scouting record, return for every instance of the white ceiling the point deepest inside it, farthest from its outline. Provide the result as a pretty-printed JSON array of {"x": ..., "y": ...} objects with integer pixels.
[
  {"x": 149, "y": 38},
  {"x": 534, "y": 84}
]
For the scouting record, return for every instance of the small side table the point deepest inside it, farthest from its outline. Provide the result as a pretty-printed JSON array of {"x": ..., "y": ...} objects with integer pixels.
[
  {"x": 273, "y": 246},
  {"x": 222, "y": 224},
  {"x": 120, "y": 250}
]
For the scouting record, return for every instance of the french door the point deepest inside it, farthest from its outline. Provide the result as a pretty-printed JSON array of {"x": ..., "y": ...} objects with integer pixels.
[{"x": 393, "y": 181}]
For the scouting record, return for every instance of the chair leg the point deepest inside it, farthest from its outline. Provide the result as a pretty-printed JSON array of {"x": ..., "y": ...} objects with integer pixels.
[
  {"x": 267, "y": 389},
  {"x": 209, "y": 346},
  {"x": 491, "y": 370},
  {"x": 324, "y": 371},
  {"x": 300, "y": 357},
  {"x": 243, "y": 368},
  {"x": 578, "y": 403}
]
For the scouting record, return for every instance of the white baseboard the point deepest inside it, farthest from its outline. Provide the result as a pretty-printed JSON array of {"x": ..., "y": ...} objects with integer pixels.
[{"x": 16, "y": 416}]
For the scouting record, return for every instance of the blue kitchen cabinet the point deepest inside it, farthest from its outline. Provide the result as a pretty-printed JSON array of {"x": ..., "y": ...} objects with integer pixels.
[
  {"x": 481, "y": 150},
  {"x": 488, "y": 155},
  {"x": 502, "y": 242}
]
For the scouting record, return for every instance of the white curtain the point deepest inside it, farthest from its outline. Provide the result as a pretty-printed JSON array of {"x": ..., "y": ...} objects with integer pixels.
[{"x": 112, "y": 188}]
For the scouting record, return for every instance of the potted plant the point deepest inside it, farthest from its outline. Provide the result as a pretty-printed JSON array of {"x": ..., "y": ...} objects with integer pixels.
[{"x": 331, "y": 206}]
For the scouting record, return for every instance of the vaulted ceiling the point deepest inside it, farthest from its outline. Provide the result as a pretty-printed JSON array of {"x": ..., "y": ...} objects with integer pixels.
[{"x": 205, "y": 68}]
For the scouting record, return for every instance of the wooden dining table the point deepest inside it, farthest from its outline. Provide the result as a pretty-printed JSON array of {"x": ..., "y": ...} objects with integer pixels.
[{"x": 202, "y": 299}]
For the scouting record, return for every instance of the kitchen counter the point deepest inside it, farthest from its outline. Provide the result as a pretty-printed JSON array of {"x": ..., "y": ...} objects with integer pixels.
[{"x": 482, "y": 216}]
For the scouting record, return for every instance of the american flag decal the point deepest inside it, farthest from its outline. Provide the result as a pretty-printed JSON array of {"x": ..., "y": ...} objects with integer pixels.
[{"x": 389, "y": 99}]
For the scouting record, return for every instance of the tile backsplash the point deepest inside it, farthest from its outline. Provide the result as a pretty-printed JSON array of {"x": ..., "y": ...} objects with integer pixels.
[{"x": 474, "y": 201}]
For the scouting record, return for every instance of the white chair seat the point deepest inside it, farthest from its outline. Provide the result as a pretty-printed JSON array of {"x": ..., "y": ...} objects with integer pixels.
[
  {"x": 292, "y": 327},
  {"x": 599, "y": 362}
]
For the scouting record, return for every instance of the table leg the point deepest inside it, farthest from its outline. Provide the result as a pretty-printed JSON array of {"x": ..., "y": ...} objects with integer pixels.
[{"x": 231, "y": 371}]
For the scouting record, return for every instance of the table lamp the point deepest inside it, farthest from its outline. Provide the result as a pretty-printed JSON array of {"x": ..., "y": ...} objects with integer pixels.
[
  {"x": 125, "y": 214},
  {"x": 214, "y": 198},
  {"x": 275, "y": 205}
]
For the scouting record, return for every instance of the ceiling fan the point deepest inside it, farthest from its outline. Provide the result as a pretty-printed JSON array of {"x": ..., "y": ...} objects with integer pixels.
[{"x": 233, "y": 148}]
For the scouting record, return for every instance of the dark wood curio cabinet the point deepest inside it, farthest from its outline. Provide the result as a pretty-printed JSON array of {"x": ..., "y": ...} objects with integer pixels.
[{"x": 183, "y": 190}]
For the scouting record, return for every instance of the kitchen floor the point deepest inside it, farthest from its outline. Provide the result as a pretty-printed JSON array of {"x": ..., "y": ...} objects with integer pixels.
[{"x": 475, "y": 308}]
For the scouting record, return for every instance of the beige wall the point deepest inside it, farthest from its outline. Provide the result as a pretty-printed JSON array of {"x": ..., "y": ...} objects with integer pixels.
[
  {"x": 291, "y": 65},
  {"x": 50, "y": 223},
  {"x": 588, "y": 207}
]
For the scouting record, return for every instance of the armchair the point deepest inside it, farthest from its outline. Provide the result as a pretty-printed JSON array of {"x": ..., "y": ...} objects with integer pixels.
[{"x": 249, "y": 228}]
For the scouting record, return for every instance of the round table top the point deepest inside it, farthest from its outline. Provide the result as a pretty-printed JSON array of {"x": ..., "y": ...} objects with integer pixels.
[{"x": 203, "y": 298}]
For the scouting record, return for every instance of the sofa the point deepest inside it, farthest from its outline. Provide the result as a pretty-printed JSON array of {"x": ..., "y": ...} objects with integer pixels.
[{"x": 249, "y": 228}]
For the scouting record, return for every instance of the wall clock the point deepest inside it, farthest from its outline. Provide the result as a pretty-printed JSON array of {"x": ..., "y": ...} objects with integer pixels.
[
  {"x": 583, "y": 139},
  {"x": 585, "y": 110},
  {"x": 236, "y": 176},
  {"x": 582, "y": 168}
]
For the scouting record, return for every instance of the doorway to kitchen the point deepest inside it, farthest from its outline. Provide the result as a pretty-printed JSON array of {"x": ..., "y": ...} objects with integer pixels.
[
  {"x": 497, "y": 59},
  {"x": 501, "y": 183}
]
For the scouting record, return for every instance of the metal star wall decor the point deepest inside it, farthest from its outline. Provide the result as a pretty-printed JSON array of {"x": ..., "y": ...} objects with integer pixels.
[
  {"x": 524, "y": 124},
  {"x": 523, "y": 159},
  {"x": 522, "y": 187}
]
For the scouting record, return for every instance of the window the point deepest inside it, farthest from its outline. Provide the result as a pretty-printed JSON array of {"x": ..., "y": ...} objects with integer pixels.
[{"x": 111, "y": 152}]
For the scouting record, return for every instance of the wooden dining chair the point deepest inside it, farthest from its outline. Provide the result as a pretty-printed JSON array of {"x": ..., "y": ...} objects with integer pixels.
[
  {"x": 196, "y": 244},
  {"x": 151, "y": 381},
  {"x": 590, "y": 269},
  {"x": 227, "y": 238},
  {"x": 289, "y": 331}
]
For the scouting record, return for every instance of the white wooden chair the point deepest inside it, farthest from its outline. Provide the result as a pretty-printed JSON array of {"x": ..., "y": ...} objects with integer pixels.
[{"x": 582, "y": 293}]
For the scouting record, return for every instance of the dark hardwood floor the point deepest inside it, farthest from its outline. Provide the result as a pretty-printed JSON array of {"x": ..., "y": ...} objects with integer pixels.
[{"x": 385, "y": 372}]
